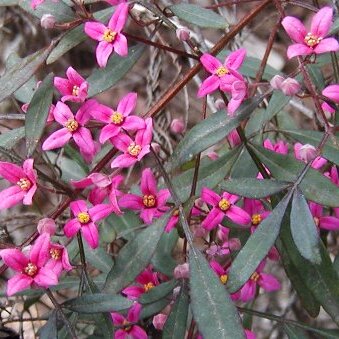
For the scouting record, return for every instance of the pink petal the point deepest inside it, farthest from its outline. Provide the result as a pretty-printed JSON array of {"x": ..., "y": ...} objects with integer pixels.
[
  {"x": 144, "y": 137},
  {"x": 11, "y": 196},
  {"x": 117, "y": 318},
  {"x": 208, "y": 86},
  {"x": 124, "y": 160},
  {"x": 63, "y": 86},
  {"x": 120, "y": 45},
  {"x": 131, "y": 201},
  {"x": 316, "y": 209},
  {"x": 119, "y": 17},
  {"x": 145, "y": 150},
  {"x": 114, "y": 202},
  {"x": 121, "y": 142},
  {"x": 18, "y": 283},
  {"x": 213, "y": 218},
  {"x": 108, "y": 132},
  {"x": 210, "y": 196},
  {"x": 78, "y": 206},
  {"x": 83, "y": 138},
  {"x": 233, "y": 105},
  {"x": 210, "y": 63},
  {"x": 294, "y": 28},
  {"x": 331, "y": 92},
  {"x": 133, "y": 292},
  {"x": 147, "y": 215},
  {"x": 102, "y": 113},
  {"x": 133, "y": 123},
  {"x": 103, "y": 51},
  {"x": 46, "y": 277},
  {"x": 74, "y": 76},
  {"x": 97, "y": 195},
  {"x": 62, "y": 113},
  {"x": 327, "y": 45},
  {"x": 134, "y": 313},
  {"x": 269, "y": 282},
  {"x": 100, "y": 180},
  {"x": 83, "y": 183},
  {"x": 138, "y": 332},
  {"x": 127, "y": 104},
  {"x": 298, "y": 49},
  {"x": 162, "y": 197},
  {"x": 329, "y": 223},
  {"x": 248, "y": 291},
  {"x": 39, "y": 252},
  {"x": 148, "y": 183},
  {"x": 14, "y": 259},
  {"x": 65, "y": 260},
  {"x": 57, "y": 139},
  {"x": 91, "y": 234},
  {"x": 11, "y": 172},
  {"x": 236, "y": 58},
  {"x": 85, "y": 111},
  {"x": 322, "y": 22},
  {"x": 95, "y": 30},
  {"x": 217, "y": 268},
  {"x": 100, "y": 211},
  {"x": 238, "y": 215},
  {"x": 27, "y": 166},
  {"x": 71, "y": 228},
  {"x": 28, "y": 198},
  {"x": 120, "y": 334}
]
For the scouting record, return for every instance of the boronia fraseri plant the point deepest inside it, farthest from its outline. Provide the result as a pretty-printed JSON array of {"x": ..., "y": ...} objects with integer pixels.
[{"x": 178, "y": 178}]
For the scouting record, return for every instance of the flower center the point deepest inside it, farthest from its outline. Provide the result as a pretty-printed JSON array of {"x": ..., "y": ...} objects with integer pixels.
[
  {"x": 175, "y": 213},
  {"x": 55, "y": 253},
  {"x": 255, "y": 276},
  {"x": 31, "y": 269},
  {"x": 109, "y": 35},
  {"x": 126, "y": 325},
  {"x": 117, "y": 118},
  {"x": 134, "y": 150},
  {"x": 317, "y": 221},
  {"x": 312, "y": 40},
  {"x": 83, "y": 217},
  {"x": 75, "y": 91},
  {"x": 224, "y": 278},
  {"x": 256, "y": 219},
  {"x": 72, "y": 125},
  {"x": 224, "y": 204},
  {"x": 221, "y": 71},
  {"x": 148, "y": 286},
  {"x": 24, "y": 184},
  {"x": 149, "y": 200}
]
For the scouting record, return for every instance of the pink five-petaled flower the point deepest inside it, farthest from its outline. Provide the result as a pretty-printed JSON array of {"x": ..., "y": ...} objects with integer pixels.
[
  {"x": 24, "y": 180},
  {"x": 119, "y": 120},
  {"x": 223, "y": 75},
  {"x": 130, "y": 330},
  {"x": 73, "y": 127},
  {"x": 147, "y": 280},
  {"x": 58, "y": 259},
  {"x": 85, "y": 219},
  {"x": 31, "y": 270},
  {"x": 328, "y": 222},
  {"x": 313, "y": 41},
  {"x": 256, "y": 210},
  {"x": 134, "y": 150},
  {"x": 267, "y": 281},
  {"x": 110, "y": 36},
  {"x": 152, "y": 203},
  {"x": 74, "y": 88},
  {"x": 222, "y": 206}
]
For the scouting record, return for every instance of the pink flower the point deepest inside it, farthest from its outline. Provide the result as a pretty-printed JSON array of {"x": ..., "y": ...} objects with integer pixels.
[
  {"x": 329, "y": 223},
  {"x": 134, "y": 150},
  {"x": 130, "y": 330},
  {"x": 256, "y": 210},
  {"x": 152, "y": 203},
  {"x": 234, "y": 138},
  {"x": 58, "y": 259},
  {"x": 24, "y": 180},
  {"x": 46, "y": 225},
  {"x": 146, "y": 281},
  {"x": 223, "y": 75},
  {"x": 73, "y": 127},
  {"x": 105, "y": 185},
  {"x": 159, "y": 321},
  {"x": 36, "y": 3},
  {"x": 239, "y": 92},
  {"x": 249, "y": 334},
  {"x": 74, "y": 88},
  {"x": 313, "y": 41},
  {"x": 332, "y": 92},
  {"x": 85, "y": 220},
  {"x": 306, "y": 153},
  {"x": 119, "y": 120},
  {"x": 177, "y": 126},
  {"x": 31, "y": 270},
  {"x": 109, "y": 37},
  {"x": 279, "y": 147},
  {"x": 222, "y": 206},
  {"x": 267, "y": 281},
  {"x": 334, "y": 177}
]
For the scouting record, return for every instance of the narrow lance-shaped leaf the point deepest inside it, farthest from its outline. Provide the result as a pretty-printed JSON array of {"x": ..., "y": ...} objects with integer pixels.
[
  {"x": 135, "y": 256},
  {"x": 37, "y": 114},
  {"x": 256, "y": 247},
  {"x": 158, "y": 292},
  {"x": 10, "y": 138},
  {"x": 49, "y": 330},
  {"x": 213, "y": 309},
  {"x": 303, "y": 229}
]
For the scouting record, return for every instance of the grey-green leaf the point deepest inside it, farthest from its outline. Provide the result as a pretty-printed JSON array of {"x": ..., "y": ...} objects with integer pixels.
[
  {"x": 10, "y": 138},
  {"x": 158, "y": 292},
  {"x": 49, "y": 330},
  {"x": 199, "y": 16},
  {"x": 37, "y": 114},
  {"x": 256, "y": 247},
  {"x": 135, "y": 256},
  {"x": 213, "y": 309},
  {"x": 303, "y": 229}
]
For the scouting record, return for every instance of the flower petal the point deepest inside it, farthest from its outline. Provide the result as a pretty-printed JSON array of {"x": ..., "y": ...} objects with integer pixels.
[
  {"x": 39, "y": 253},
  {"x": 11, "y": 196},
  {"x": 120, "y": 45},
  {"x": 108, "y": 131},
  {"x": 329, "y": 223},
  {"x": 268, "y": 282},
  {"x": 74, "y": 77},
  {"x": 236, "y": 58},
  {"x": 46, "y": 277},
  {"x": 57, "y": 139},
  {"x": 210, "y": 62},
  {"x": 209, "y": 196},
  {"x": 322, "y": 22},
  {"x": 133, "y": 123},
  {"x": 85, "y": 111},
  {"x": 62, "y": 113},
  {"x": 14, "y": 259},
  {"x": 11, "y": 172},
  {"x": 298, "y": 49},
  {"x": 238, "y": 215},
  {"x": 100, "y": 211},
  {"x": 208, "y": 86},
  {"x": 103, "y": 51},
  {"x": 214, "y": 217},
  {"x": 78, "y": 206},
  {"x": 127, "y": 104},
  {"x": 63, "y": 85},
  {"x": 123, "y": 160},
  {"x": 71, "y": 228},
  {"x": 327, "y": 45},
  {"x": 91, "y": 234},
  {"x": 95, "y": 30},
  {"x": 148, "y": 183},
  {"x": 18, "y": 283},
  {"x": 131, "y": 201},
  {"x": 294, "y": 28},
  {"x": 83, "y": 138},
  {"x": 119, "y": 17}
]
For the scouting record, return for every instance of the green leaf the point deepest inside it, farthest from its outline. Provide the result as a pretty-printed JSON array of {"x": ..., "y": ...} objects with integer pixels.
[
  {"x": 303, "y": 229},
  {"x": 316, "y": 76},
  {"x": 8, "y": 2},
  {"x": 154, "y": 308},
  {"x": 158, "y": 292},
  {"x": 315, "y": 186},
  {"x": 98, "y": 258},
  {"x": 199, "y": 16},
  {"x": 335, "y": 27},
  {"x": 256, "y": 247},
  {"x": 253, "y": 188},
  {"x": 243, "y": 166},
  {"x": 75, "y": 155},
  {"x": 213, "y": 309},
  {"x": 330, "y": 150},
  {"x": 104, "y": 78},
  {"x": 49, "y": 330},
  {"x": 18, "y": 74},
  {"x": 97, "y": 303},
  {"x": 135, "y": 256},
  {"x": 37, "y": 114},
  {"x": 210, "y": 131},
  {"x": 175, "y": 326},
  {"x": 294, "y": 332},
  {"x": 10, "y": 138}
]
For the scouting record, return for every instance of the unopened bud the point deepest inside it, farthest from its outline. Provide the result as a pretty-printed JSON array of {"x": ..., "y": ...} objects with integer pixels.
[
  {"x": 290, "y": 86},
  {"x": 276, "y": 81},
  {"x": 213, "y": 155},
  {"x": 156, "y": 147},
  {"x": 307, "y": 152},
  {"x": 46, "y": 225},
  {"x": 177, "y": 126},
  {"x": 183, "y": 33},
  {"x": 181, "y": 271},
  {"x": 47, "y": 21},
  {"x": 328, "y": 110},
  {"x": 159, "y": 321}
]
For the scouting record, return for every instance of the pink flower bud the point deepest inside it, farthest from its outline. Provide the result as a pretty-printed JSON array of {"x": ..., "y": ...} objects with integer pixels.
[
  {"x": 181, "y": 271},
  {"x": 156, "y": 147},
  {"x": 290, "y": 86},
  {"x": 328, "y": 110},
  {"x": 307, "y": 152},
  {"x": 159, "y": 321},
  {"x": 177, "y": 126},
  {"x": 213, "y": 155},
  {"x": 183, "y": 33},
  {"x": 276, "y": 81},
  {"x": 46, "y": 225},
  {"x": 234, "y": 244},
  {"x": 47, "y": 21}
]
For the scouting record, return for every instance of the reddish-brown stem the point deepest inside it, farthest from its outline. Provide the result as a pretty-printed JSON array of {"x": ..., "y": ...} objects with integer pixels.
[{"x": 229, "y": 3}]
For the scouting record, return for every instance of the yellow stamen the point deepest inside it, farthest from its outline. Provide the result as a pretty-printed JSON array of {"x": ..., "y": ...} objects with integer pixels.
[
  {"x": 224, "y": 204},
  {"x": 126, "y": 327},
  {"x": 317, "y": 221},
  {"x": 149, "y": 200},
  {"x": 221, "y": 71},
  {"x": 109, "y": 35},
  {"x": 31, "y": 269},
  {"x": 224, "y": 278},
  {"x": 255, "y": 276},
  {"x": 256, "y": 219},
  {"x": 148, "y": 286},
  {"x": 175, "y": 213},
  {"x": 83, "y": 217},
  {"x": 75, "y": 91},
  {"x": 72, "y": 125},
  {"x": 312, "y": 40},
  {"x": 117, "y": 118},
  {"x": 24, "y": 184},
  {"x": 55, "y": 253},
  {"x": 134, "y": 150}
]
